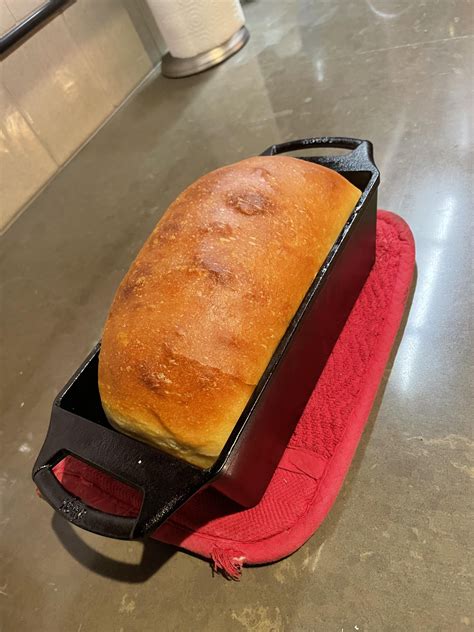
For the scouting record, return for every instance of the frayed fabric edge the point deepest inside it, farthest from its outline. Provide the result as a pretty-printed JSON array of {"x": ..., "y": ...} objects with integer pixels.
[{"x": 227, "y": 562}]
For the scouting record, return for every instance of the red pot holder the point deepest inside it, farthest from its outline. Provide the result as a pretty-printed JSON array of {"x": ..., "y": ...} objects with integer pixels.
[{"x": 312, "y": 469}]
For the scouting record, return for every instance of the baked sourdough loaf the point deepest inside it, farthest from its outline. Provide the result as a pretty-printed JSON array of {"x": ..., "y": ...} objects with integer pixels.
[{"x": 201, "y": 310}]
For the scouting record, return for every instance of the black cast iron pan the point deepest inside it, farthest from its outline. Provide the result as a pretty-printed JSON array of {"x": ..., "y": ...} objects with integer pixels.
[{"x": 245, "y": 466}]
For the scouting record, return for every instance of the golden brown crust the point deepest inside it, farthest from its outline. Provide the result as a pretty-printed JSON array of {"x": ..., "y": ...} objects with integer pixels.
[{"x": 197, "y": 317}]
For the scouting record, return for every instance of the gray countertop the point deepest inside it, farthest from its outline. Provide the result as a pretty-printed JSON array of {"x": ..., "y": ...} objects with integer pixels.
[{"x": 393, "y": 552}]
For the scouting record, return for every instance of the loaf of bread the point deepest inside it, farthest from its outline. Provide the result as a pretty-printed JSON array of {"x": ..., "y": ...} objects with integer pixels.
[{"x": 202, "y": 308}]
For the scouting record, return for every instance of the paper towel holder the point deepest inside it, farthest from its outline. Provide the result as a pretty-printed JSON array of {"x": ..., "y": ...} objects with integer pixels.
[{"x": 174, "y": 67}]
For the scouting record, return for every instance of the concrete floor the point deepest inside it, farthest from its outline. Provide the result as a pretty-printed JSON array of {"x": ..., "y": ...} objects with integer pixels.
[{"x": 394, "y": 552}]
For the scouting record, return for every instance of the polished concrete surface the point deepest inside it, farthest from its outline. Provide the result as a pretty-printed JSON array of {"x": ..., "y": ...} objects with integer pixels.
[{"x": 394, "y": 552}]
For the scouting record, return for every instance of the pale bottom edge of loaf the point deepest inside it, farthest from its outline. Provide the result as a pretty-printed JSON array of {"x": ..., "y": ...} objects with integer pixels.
[{"x": 143, "y": 432}]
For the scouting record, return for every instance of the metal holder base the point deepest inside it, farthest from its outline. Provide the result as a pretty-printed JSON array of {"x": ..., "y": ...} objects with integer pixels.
[{"x": 174, "y": 67}]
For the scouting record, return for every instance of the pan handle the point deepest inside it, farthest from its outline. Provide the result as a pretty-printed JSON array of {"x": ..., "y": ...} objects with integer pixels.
[
  {"x": 338, "y": 142},
  {"x": 360, "y": 157},
  {"x": 165, "y": 482},
  {"x": 80, "y": 514}
]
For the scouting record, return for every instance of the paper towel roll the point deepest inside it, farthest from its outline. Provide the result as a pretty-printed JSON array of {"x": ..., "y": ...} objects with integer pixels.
[{"x": 191, "y": 27}]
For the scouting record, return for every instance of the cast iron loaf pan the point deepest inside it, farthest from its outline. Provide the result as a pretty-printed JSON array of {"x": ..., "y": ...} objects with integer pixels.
[{"x": 245, "y": 466}]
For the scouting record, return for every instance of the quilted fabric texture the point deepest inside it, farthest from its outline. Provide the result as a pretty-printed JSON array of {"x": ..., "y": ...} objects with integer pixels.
[{"x": 318, "y": 456}]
